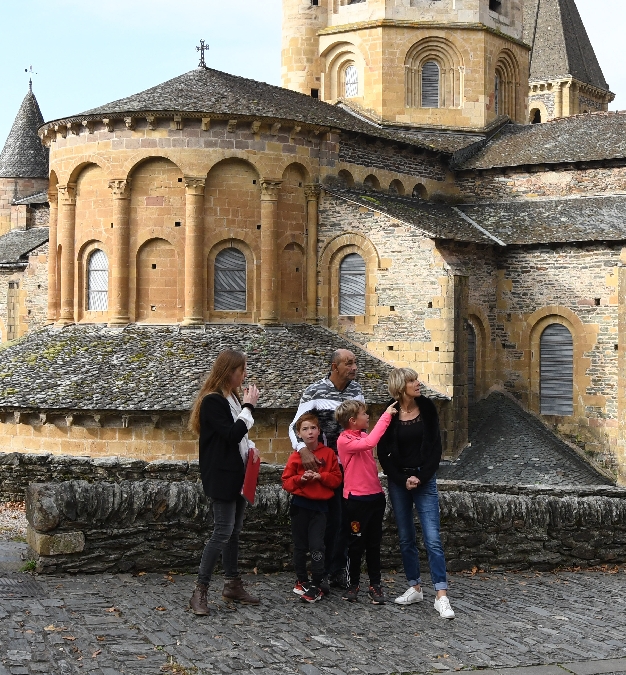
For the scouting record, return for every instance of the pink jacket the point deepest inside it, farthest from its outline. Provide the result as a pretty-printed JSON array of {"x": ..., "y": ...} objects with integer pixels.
[{"x": 356, "y": 454}]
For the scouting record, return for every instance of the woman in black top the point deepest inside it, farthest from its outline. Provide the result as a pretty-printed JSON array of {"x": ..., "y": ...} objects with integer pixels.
[
  {"x": 410, "y": 452},
  {"x": 223, "y": 425}
]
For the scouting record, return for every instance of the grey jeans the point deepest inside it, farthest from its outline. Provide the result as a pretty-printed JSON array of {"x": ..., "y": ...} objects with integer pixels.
[{"x": 228, "y": 521}]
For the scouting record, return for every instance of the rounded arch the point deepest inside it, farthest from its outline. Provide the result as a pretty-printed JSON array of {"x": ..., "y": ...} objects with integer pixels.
[
  {"x": 86, "y": 163},
  {"x": 370, "y": 182},
  {"x": 354, "y": 239},
  {"x": 479, "y": 322},
  {"x": 346, "y": 178},
  {"x": 506, "y": 84},
  {"x": 292, "y": 280},
  {"x": 396, "y": 187},
  {"x": 158, "y": 298},
  {"x": 537, "y": 107},
  {"x": 338, "y": 57},
  {"x": 83, "y": 255},
  {"x": 53, "y": 181},
  {"x": 299, "y": 168},
  {"x": 449, "y": 60},
  {"x": 419, "y": 191},
  {"x": 136, "y": 163},
  {"x": 247, "y": 251}
]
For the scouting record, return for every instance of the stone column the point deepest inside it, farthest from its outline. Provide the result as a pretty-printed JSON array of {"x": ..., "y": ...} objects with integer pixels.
[
  {"x": 558, "y": 100},
  {"x": 66, "y": 239},
  {"x": 194, "y": 251},
  {"x": 270, "y": 281},
  {"x": 312, "y": 193},
  {"x": 621, "y": 380},
  {"x": 53, "y": 298},
  {"x": 567, "y": 99},
  {"x": 120, "y": 262}
]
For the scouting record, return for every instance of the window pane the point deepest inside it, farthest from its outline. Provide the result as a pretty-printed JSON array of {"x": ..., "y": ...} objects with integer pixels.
[
  {"x": 557, "y": 371},
  {"x": 430, "y": 85},
  {"x": 352, "y": 286},
  {"x": 229, "y": 289},
  {"x": 352, "y": 82},
  {"x": 98, "y": 282}
]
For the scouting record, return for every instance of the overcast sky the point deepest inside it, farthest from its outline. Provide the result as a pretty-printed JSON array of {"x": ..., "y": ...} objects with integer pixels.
[{"x": 87, "y": 52}]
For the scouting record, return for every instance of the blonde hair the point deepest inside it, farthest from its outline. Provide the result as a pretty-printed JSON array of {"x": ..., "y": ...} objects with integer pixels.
[
  {"x": 226, "y": 363},
  {"x": 348, "y": 409},
  {"x": 398, "y": 378}
]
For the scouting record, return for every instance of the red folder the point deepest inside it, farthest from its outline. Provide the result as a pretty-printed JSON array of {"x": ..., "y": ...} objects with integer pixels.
[{"x": 248, "y": 490}]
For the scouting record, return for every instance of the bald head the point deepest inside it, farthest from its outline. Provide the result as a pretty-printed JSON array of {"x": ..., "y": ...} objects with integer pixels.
[{"x": 343, "y": 368}]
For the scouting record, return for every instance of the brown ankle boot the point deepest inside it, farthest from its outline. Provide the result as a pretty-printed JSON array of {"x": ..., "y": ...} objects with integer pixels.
[
  {"x": 235, "y": 592},
  {"x": 198, "y": 602}
]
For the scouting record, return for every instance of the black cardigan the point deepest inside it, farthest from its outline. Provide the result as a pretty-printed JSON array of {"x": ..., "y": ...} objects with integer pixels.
[
  {"x": 221, "y": 466},
  {"x": 431, "y": 445}
]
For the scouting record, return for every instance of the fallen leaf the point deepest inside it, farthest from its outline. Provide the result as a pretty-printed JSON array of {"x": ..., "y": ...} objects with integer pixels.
[
  {"x": 112, "y": 609},
  {"x": 69, "y": 637},
  {"x": 160, "y": 609},
  {"x": 141, "y": 657},
  {"x": 50, "y": 627},
  {"x": 141, "y": 574},
  {"x": 100, "y": 638},
  {"x": 98, "y": 651}
]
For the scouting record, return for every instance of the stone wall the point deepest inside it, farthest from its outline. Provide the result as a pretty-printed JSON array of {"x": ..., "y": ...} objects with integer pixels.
[
  {"x": 16, "y": 188},
  {"x": 158, "y": 525}
]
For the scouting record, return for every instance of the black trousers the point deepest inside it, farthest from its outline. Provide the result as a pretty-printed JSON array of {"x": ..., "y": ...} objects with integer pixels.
[
  {"x": 336, "y": 537},
  {"x": 307, "y": 529},
  {"x": 364, "y": 521}
]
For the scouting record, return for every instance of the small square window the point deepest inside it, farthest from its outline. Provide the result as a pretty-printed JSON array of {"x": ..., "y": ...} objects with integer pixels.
[
  {"x": 153, "y": 308},
  {"x": 315, "y": 3},
  {"x": 153, "y": 266},
  {"x": 392, "y": 308},
  {"x": 436, "y": 349},
  {"x": 177, "y": 223},
  {"x": 430, "y": 305},
  {"x": 258, "y": 227},
  {"x": 597, "y": 302},
  {"x": 315, "y": 93},
  {"x": 180, "y": 180},
  {"x": 297, "y": 269}
]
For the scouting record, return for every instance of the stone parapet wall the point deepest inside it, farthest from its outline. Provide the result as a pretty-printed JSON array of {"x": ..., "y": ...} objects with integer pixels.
[{"x": 158, "y": 525}]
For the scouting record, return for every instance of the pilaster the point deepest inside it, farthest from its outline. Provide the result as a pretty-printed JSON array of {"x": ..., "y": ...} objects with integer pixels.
[
  {"x": 120, "y": 190},
  {"x": 269, "y": 252},
  {"x": 312, "y": 192},
  {"x": 66, "y": 240},
  {"x": 53, "y": 298},
  {"x": 194, "y": 251},
  {"x": 621, "y": 380}
]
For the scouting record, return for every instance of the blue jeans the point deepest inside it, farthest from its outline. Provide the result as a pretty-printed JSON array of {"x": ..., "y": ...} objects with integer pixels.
[{"x": 426, "y": 500}]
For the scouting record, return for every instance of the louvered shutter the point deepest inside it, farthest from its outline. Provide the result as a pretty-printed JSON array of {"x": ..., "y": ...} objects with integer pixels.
[
  {"x": 430, "y": 85},
  {"x": 229, "y": 291},
  {"x": 352, "y": 82},
  {"x": 98, "y": 282},
  {"x": 557, "y": 371},
  {"x": 352, "y": 286},
  {"x": 471, "y": 363}
]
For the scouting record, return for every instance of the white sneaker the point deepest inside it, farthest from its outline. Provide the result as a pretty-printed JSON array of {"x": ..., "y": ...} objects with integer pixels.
[
  {"x": 442, "y": 605},
  {"x": 410, "y": 597}
]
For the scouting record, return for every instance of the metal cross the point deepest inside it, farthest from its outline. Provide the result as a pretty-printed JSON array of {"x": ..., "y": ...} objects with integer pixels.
[{"x": 202, "y": 48}]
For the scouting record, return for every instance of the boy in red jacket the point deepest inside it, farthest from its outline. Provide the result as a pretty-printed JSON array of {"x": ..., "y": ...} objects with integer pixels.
[{"x": 311, "y": 491}]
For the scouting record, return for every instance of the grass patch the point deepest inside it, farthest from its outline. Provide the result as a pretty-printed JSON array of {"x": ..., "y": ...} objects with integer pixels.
[{"x": 29, "y": 566}]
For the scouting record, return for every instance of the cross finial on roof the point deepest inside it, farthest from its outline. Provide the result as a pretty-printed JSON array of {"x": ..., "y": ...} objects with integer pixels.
[
  {"x": 202, "y": 48},
  {"x": 30, "y": 85}
]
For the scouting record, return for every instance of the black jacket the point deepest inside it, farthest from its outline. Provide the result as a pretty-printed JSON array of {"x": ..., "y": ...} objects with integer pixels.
[
  {"x": 221, "y": 466},
  {"x": 431, "y": 450}
]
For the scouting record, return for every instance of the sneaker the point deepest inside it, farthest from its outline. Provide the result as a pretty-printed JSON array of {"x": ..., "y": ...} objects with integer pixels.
[
  {"x": 442, "y": 605},
  {"x": 339, "y": 580},
  {"x": 299, "y": 587},
  {"x": 312, "y": 594},
  {"x": 325, "y": 586},
  {"x": 350, "y": 594},
  {"x": 410, "y": 596},
  {"x": 376, "y": 594}
]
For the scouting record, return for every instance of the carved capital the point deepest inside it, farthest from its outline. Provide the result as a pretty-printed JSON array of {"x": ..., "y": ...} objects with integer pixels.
[
  {"x": 275, "y": 128},
  {"x": 120, "y": 188},
  {"x": 152, "y": 122},
  {"x": 194, "y": 185},
  {"x": 88, "y": 124},
  {"x": 177, "y": 123},
  {"x": 67, "y": 194},
  {"x": 232, "y": 126},
  {"x": 206, "y": 123},
  {"x": 129, "y": 122},
  {"x": 53, "y": 197},
  {"x": 61, "y": 130},
  {"x": 109, "y": 124},
  {"x": 270, "y": 189},
  {"x": 312, "y": 191},
  {"x": 255, "y": 127}
]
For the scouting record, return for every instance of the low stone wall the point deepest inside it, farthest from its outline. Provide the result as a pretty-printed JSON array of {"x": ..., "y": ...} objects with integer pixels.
[{"x": 160, "y": 525}]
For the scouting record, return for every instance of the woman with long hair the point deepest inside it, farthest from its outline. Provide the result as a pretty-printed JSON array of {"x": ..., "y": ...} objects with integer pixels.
[
  {"x": 222, "y": 423},
  {"x": 410, "y": 452}
]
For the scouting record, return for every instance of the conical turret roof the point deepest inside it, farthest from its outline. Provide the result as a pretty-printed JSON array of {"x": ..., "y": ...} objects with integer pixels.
[
  {"x": 23, "y": 155},
  {"x": 560, "y": 44}
]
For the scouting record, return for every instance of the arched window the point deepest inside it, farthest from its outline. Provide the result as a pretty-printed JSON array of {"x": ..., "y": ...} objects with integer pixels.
[
  {"x": 229, "y": 290},
  {"x": 352, "y": 285},
  {"x": 351, "y": 86},
  {"x": 557, "y": 371},
  {"x": 535, "y": 116},
  {"x": 430, "y": 85},
  {"x": 98, "y": 282},
  {"x": 471, "y": 363}
]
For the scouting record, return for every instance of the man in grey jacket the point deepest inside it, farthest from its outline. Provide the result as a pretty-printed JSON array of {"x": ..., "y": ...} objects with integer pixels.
[{"x": 324, "y": 397}]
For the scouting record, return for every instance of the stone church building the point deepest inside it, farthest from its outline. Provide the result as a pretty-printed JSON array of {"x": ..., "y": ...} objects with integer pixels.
[{"x": 397, "y": 194}]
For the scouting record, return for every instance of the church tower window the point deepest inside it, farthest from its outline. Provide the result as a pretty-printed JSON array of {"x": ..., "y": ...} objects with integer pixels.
[
  {"x": 98, "y": 282},
  {"x": 351, "y": 86},
  {"x": 352, "y": 286},
  {"x": 430, "y": 85},
  {"x": 496, "y": 95},
  {"x": 557, "y": 371},
  {"x": 229, "y": 290}
]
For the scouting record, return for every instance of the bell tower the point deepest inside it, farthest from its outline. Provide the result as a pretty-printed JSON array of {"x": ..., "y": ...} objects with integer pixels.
[{"x": 454, "y": 64}]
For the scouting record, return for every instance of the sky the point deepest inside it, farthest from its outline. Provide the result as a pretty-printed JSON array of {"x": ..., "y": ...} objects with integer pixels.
[{"x": 85, "y": 53}]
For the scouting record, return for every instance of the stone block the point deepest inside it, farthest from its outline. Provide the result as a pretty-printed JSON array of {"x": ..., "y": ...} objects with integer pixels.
[{"x": 62, "y": 543}]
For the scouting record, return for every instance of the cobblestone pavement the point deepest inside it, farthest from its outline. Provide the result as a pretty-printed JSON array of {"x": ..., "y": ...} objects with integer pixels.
[
  {"x": 508, "y": 445},
  {"x": 112, "y": 624}
]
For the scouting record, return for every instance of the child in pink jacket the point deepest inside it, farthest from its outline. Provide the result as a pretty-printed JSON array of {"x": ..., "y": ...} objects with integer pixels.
[{"x": 364, "y": 499}]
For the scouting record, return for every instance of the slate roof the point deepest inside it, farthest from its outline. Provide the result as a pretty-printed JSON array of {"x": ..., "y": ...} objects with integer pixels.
[
  {"x": 209, "y": 91},
  {"x": 23, "y": 155},
  {"x": 560, "y": 44},
  {"x": 581, "y": 138},
  {"x": 150, "y": 368},
  {"x": 39, "y": 198},
  {"x": 438, "y": 221},
  {"x": 561, "y": 220},
  {"x": 17, "y": 244}
]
